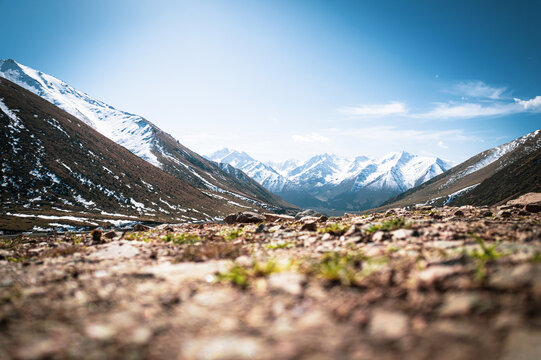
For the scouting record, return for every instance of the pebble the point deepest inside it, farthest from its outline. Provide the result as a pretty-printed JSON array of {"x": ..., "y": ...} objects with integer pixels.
[
  {"x": 222, "y": 347},
  {"x": 435, "y": 273},
  {"x": 519, "y": 276},
  {"x": 288, "y": 282},
  {"x": 388, "y": 325},
  {"x": 458, "y": 304},
  {"x": 309, "y": 226},
  {"x": 523, "y": 344}
]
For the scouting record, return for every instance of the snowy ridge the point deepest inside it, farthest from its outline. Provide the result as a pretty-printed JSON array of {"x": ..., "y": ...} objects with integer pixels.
[
  {"x": 493, "y": 155},
  {"x": 400, "y": 171},
  {"x": 263, "y": 174},
  {"x": 128, "y": 130}
]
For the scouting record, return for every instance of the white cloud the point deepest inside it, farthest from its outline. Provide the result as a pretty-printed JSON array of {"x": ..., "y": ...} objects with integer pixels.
[
  {"x": 310, "y": 138},
  {"x": 442, "y": 145},
  {"x": 394, "y": 108},
  {"x": 530, "y": 105},
  {"x": 479, "y": 89},
  {"x": 465, "y": 111},
  {"x": 474, "y": 110}
]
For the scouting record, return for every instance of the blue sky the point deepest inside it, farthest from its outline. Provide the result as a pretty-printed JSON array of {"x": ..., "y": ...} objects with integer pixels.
[{"x": 290, "y": 79}]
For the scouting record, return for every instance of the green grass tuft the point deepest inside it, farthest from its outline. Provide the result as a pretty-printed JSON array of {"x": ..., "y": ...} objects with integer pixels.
[
  {"x": 388, "y": 225},
  {"x": 182, "y": 238}
]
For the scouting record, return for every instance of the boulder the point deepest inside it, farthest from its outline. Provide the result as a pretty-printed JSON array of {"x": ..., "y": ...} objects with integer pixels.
[
  {"x": 269, "y": 217},
  {"x": 141, "y": 227},
  {"x": 307, "y": 212},
  {"x": 309, "y": 226},
  {"x": 529, "y": 198},
  {"x": 246, "y": 217}
]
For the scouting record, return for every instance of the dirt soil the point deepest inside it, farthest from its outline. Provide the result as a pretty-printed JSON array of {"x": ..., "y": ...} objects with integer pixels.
[{"x": 445, "y": 283}]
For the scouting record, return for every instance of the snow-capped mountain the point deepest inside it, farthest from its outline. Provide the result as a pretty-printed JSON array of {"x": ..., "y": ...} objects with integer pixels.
[
  {"x": 263, "y": 174},
  {"x": 57, "y": 172},
  {"x": 138, "y": 135},
  {"x": 493, "y": 176},
  {"x": 331, "y": 182}
]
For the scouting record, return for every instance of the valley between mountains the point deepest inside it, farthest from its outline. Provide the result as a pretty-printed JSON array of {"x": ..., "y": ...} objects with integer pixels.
[{"x": 119, "y": 242}]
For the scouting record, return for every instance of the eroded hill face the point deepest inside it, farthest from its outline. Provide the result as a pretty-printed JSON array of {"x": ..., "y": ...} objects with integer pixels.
[
  {"x": 491, "y": 177},
  {"x": 57, "y": 170},
  {"x": 441, "y": 283},
  {"x": 139, "y": 136}
]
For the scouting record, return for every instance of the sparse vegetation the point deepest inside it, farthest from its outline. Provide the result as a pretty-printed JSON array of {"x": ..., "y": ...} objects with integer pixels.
[
  {"x": 388, "y": 225},
  {"x": 231, "y": 234},
  {"x": 280, "y": 245},
  {"x": 182, "y": 238},
  {"x": 138, "y": 236},
  {"x": 334, "y": 228},
  {"x": 482, "y": 256}
]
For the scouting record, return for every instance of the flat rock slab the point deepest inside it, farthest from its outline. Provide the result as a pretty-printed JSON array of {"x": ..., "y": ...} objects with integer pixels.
[{"x": 114, "y": 251}]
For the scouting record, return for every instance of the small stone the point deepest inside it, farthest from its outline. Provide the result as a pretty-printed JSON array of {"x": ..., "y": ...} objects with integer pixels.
[
  {"x": 390, "y": 212},
  {"x": 245, "y": 261},
  {"x": 100, "y": 332},
  {"x": 388, "y": 325},
  {"x": 354, "y": 229},
  {"x": 504, "y": 214},
  {"x": 222, "y": 347},
  {"x": 322, "y": 219},
  {"x": 458, "y": 304},
  {"x": 289, "y": 282},
  {"x": 309, "y": 226},
  {"x": 380, "y": 236},
  {"x": 261, "y": 228},
  {"x": 436, "y": 273},
  {"x": 459, "y": 213},
  {"x": 141, "y": 227},
  {"x": 249, "y": 217},
  {"x": 533, "y": 208},
  {"x": 307, "y": 212},
  {"x": 308, "y": 218},
  {"x": 518, "y": 277},
  {"x": 110, "y": 235},
  {"x": 326, "y": 237},
  {"x": 523, "y": 344},
  {"x": 230, "y": 219},
  {"x": 458, "y": 329},
  {"x": 402, "y": 234},
  {"x": 141, "y": 335}
]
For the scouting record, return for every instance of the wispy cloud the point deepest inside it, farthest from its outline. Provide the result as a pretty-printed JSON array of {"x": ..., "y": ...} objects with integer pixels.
[
  {"x": 394, "y": 108},
  {"x": 475, "y": 110},
  {"x": 484, "y": 101},
  {"x": 478, "y": 89},
  {"x": 392, "y": 133},
  {"x": 530, "y": 105},
  {"x": 442, "y": 145},
  {"x": 310, "y": 138}
]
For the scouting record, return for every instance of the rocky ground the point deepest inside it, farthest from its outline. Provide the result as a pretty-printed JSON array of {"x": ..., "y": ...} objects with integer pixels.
[{"x": 431, "y": 283}]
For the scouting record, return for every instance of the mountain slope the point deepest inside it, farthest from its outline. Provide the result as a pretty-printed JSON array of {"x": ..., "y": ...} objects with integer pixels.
[
  {"x": 138, "y": 135},
  {"x": 263, "y": 174},
  {"x": 334, "y": 184},
  {"x": 508, "y": 169},
  {"x": 56, "y": 170}
]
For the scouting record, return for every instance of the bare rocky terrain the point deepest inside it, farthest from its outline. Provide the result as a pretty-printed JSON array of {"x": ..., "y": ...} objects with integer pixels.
[{"x": 431, "y": 283}]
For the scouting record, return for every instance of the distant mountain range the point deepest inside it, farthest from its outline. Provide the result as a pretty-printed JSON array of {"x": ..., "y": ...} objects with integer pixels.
[
  {"x": 491, "y": 177},
  {"x": 143, "y": 139},
  {"x": 334, "y": 184}
]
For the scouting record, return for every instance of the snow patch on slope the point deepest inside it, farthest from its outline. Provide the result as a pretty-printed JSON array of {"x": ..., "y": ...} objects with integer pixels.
[{"x": 128, "y": 130}]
